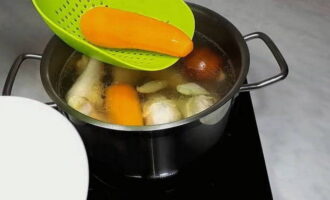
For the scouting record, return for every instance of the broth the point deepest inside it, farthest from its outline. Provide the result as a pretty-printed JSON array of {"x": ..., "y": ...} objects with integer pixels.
[{"x": 172, "y": 76}]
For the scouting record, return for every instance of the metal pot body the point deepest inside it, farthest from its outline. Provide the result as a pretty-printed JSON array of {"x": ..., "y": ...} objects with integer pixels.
[
  {"x": 158, "y": 154},
  {"x": 157, "y": 151}
]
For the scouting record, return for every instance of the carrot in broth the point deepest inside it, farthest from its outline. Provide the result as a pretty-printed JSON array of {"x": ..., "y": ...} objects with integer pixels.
[{"x": 122, "y": 105}]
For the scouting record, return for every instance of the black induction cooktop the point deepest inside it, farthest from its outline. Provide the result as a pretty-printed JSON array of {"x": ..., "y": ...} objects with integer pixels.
[{"x": 233, "y": 169}]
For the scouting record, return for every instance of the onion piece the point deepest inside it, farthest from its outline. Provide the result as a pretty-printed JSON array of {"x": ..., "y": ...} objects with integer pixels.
[
  {"x": 191, "y": 89},
  {"x": 152, "y": 87}
]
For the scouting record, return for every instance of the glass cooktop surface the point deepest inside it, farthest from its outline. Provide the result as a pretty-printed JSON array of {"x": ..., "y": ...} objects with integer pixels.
[{"x": 233, "y": 169}]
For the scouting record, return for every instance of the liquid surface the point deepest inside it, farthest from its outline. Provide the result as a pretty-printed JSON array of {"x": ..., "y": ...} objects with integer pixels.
[{"x": 172, "y": 77}]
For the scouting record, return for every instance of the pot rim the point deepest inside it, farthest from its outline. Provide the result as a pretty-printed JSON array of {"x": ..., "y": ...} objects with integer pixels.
[{"x": 245, "y": 62}]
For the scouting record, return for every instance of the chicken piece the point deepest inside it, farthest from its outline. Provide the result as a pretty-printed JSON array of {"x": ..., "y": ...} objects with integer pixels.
[
  {"x": 171, "y": 74},
  {"x": 160, "y": 110},
  {"x": 82, "y": 105},
  {"x": 88, "y": 86},
  {"x": 81, "y": 64},
  {"x": 196, "y": 104},
  {"x": 127, "y": 76}
]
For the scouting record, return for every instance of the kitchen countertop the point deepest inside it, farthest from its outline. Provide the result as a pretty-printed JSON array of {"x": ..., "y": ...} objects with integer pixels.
[{"x": 293, "y": 116}]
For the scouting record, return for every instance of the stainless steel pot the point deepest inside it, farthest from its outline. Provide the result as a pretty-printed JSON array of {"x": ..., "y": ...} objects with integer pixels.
[{"x": 155, "y": 151}]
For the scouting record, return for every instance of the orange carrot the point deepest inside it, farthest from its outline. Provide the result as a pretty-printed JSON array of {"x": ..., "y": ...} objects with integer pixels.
[
  {"x": 113, "y": 28},
  {"x": 122, "y": 105}
]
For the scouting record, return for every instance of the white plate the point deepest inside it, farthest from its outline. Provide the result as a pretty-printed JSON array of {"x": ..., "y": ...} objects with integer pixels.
[{"x": 42, "y": 156}]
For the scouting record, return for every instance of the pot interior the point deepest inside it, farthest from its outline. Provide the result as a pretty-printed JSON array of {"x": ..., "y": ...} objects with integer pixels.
[{"x": 208, "y": 23}]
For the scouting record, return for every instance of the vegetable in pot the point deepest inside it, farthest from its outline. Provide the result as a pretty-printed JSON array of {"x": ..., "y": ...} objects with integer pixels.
[
  {"x": 191, "y": 89},
  {"x": 203, "y": 64},
  {"x": 159, "y": 110},
  {"x": 122, "y": 105},
  {"x": 152, "y": 87}
]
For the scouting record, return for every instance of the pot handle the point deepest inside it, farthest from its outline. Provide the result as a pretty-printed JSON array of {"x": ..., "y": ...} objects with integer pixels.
[
  {"x": 278, "y": 57},
  {"x": 7, "y": 89}
]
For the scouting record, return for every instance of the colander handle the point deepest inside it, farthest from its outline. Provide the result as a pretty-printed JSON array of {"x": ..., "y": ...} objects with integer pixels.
[
  {"x": 7, "y": 89},
  {"x": 278, "y": 57}
]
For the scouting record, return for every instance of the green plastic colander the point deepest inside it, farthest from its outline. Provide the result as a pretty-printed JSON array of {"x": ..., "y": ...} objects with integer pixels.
[{"x": 63, "y": 18}]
